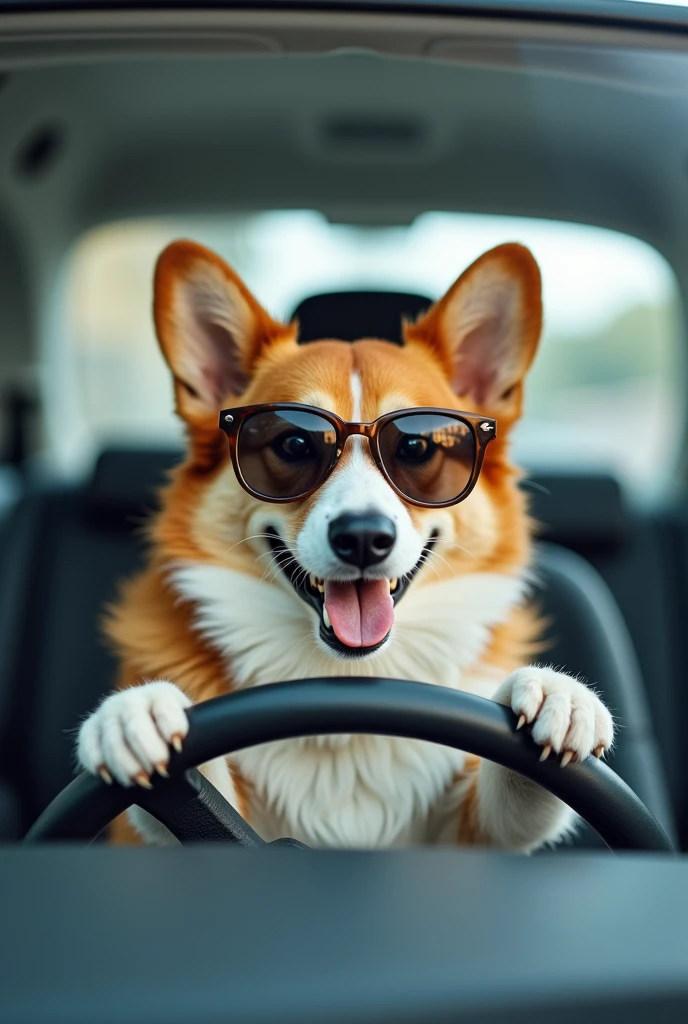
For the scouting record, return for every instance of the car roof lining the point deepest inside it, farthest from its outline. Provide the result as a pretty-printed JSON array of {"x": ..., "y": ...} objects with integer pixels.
[{"x": 81, "y": 57}]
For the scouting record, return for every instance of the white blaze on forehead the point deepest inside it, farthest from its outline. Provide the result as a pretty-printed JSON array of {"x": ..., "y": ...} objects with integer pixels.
[
  {"x": 356, "y": 485},
  {"x": 356, "y": 398},
  {"x": 356, "y": 443}
]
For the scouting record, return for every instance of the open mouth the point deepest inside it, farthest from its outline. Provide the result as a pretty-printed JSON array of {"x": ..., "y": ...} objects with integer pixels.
[{"x": 356, "y": 617}]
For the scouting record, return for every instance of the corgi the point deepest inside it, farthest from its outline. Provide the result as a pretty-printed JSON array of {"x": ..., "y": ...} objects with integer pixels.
[{"x": 355, "y": 519}]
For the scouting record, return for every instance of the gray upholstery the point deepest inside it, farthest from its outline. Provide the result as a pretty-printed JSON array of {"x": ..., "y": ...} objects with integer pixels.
[{"x": 588, "y": 637}]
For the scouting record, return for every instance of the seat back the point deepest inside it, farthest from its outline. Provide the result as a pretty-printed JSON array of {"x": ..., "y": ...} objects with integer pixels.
[
  {"x": 587, "y": 636},
  {"x": 66, "y": 551}
]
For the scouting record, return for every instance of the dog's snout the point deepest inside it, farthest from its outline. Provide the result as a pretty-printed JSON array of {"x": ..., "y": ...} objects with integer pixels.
[{"x": 362, "y": 540}]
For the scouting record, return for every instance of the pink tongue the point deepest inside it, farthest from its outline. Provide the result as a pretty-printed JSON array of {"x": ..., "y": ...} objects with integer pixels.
[{"x": 361, "y": 613}]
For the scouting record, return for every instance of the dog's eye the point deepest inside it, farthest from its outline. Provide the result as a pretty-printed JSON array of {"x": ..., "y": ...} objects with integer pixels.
[
  {"x": 415, "y": 449},
  {"x": 293, "y": 446}
]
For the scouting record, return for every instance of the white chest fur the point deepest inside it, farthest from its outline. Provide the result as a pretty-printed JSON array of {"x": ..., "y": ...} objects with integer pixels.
[
  {"x": 368, "y": 791},
  {"x": 361, "y": 791}
]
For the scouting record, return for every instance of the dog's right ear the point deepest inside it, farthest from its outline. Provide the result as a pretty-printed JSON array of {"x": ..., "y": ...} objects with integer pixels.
[
  {"x": 485, "y": 330},
  {"x": 210, "y": 328}
]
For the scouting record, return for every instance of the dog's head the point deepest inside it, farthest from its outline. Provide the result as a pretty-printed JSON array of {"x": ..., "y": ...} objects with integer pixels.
[{"x": 348, "y": 553}]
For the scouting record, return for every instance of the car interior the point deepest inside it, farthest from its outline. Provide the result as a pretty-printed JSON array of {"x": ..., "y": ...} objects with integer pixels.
[{"x": 170, "y": 120}]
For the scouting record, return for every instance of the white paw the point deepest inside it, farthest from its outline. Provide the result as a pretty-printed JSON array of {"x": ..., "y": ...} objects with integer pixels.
[
  {"x": 566, "y": 716},
  {"x": 129, "y": 736}
]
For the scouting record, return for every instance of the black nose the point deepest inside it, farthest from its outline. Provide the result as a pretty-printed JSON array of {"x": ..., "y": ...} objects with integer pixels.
[{"x": 362, "y": 540}]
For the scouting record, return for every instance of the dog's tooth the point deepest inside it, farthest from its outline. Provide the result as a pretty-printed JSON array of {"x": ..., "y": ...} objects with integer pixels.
[
  {"x": 393, "y": 584},
  {"x": 321, "y": 586},
  {"x": 313, "y": 581},
  {"x": 326, "y": 618}
]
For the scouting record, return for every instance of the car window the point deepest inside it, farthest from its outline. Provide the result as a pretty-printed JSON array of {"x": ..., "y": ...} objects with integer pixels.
[{"x": 604, "y": 393}]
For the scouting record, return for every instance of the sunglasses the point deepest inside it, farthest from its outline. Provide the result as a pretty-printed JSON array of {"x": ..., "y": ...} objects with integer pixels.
[{"x": 283, "y": 452}]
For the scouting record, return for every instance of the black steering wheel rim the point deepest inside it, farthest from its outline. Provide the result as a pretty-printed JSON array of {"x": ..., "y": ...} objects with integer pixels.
[{"x": 391, "y": 707}]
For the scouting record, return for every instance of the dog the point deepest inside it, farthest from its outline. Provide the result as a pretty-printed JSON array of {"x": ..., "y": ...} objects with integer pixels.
[{"x": 323, "y": 532}]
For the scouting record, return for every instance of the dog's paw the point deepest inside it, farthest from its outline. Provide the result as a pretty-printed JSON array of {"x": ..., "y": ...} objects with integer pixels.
[
  {"x": 565, "y": 715},
  {"x": 129, "y": 736}
]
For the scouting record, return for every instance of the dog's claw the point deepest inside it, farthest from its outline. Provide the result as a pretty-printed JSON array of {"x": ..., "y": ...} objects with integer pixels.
[
  {"x": 546, "y": 751},
  {"x": 176, "y": 742},
  {"x": 521, "y": 722},
  {"x": 567, "y": 756},
  {"x": 105, "y": 775},
  {"x": 141, "y": 779},
  {"x": 599, "y": 751},
  {"x": 161, "y": 769}
]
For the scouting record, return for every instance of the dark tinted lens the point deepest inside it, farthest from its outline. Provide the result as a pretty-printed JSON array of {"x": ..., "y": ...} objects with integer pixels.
[
  {"x": 285, "y": 454},
  {"x": 429, "y": 456}
]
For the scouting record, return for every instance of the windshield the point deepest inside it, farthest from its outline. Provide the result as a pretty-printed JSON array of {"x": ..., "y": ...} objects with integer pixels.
[{"x": 612, "y": 342}]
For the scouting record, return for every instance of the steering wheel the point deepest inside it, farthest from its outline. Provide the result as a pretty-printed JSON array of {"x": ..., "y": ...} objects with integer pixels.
[{"x": 194, "y": 811}]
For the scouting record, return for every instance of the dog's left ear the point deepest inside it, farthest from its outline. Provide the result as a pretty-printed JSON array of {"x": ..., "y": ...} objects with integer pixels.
[
  {"x": 486, "y": 329},
  {"x": 211, "y": 329}
]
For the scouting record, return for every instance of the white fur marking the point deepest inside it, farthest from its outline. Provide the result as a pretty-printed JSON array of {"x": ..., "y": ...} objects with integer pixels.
[
  {"x": 130, "y": 732},
  {"x": 356, "y": 486},
  {"x": 356, "y": 397},
  {"x": 565, "y": 715},
  {"x": 347, "y": 791}
]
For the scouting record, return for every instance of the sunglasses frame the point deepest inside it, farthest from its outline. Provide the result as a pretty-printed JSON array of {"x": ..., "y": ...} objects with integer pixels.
[{"x": 483, "y": 429}]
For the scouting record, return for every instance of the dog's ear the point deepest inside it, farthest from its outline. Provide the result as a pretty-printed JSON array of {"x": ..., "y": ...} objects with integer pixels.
[
  {"x": 486, "y": 329},
  {"x": 210, "y": 328}
]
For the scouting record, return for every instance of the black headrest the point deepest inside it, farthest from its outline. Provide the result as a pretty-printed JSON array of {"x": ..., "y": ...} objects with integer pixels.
[
  {"x": 351, "y": 315},
  {"x": 125, "y": 482}
]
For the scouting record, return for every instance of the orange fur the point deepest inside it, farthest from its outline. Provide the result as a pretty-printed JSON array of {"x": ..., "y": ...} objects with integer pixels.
[
  {"x": 153, "y": 630},
  {"x": 469, "y": 831}
]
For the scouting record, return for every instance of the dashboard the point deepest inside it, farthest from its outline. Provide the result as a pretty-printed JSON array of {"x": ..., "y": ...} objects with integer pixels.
[{"x": 212, "y": 934}]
